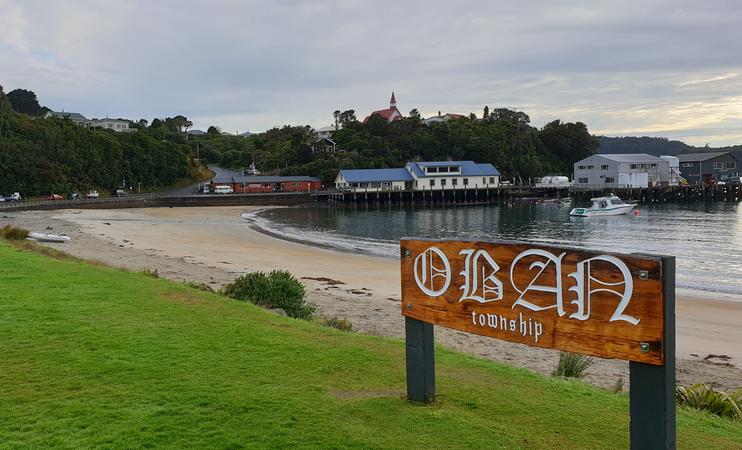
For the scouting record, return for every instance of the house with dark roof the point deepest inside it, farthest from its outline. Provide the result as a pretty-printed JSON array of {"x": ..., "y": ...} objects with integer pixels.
[
  {"x": 74, "y": 117},
  {"x": 699, "y": 168},
  {"x": 390, "y": 114},
  {"x": 636, "y": 170},
  {"x": 421, "y": 176}
]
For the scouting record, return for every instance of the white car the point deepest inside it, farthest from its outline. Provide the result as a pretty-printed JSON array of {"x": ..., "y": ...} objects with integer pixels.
[
  {"x": 92, "y": 194},
  {"x": 223, "y": 189}
]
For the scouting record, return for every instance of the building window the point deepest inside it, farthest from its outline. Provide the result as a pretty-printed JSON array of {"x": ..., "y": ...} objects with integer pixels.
[
  {"x": 604, "y": 167},
  {"x": 455, "y": 169},
  {"x": 718, "y": 165},
  {"x": 415, "y": 183},
  {"x": 653, "y": 165},
  {"x": 431, "y": 169},
  {"x": 580, "y": 167},
  {"x": 731, "y": 165},
  {"x": 590, "y": 167},
  {"x": 443, "y": 182},
  {"x": 432, "y": 183},
  {"x": 484, "y": 180},
  {"x": 466, "y": 181},
  {"x": 443, "y": 170},
  {"x": 582, "y": 180},
  {"x": 454, "y": 181},
  {"x": 610, "y": 180},
  {"x": 687, "y": 164},
  {"x": 492, "y": 180}
]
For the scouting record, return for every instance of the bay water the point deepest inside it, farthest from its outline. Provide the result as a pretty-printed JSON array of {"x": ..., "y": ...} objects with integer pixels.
[{"x": 706, "y": 238}]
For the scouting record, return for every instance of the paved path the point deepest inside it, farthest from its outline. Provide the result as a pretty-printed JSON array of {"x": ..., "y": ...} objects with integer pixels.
[{"x": 219, "y": 172}]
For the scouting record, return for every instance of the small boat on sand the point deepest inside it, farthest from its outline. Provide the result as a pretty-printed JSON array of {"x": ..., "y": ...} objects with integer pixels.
[
  {"x": 44, "y": 237},
  {"x": 604, "y": 206}
]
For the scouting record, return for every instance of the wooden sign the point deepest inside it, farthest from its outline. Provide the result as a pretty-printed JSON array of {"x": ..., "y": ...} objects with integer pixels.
[{"x": 602, "y": 304}]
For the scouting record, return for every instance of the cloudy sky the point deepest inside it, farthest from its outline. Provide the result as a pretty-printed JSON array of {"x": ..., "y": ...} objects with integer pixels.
[{"x": 656, "y": 68}]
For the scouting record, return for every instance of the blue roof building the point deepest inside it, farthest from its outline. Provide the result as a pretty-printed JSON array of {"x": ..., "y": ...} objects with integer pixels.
[{"x": 432, "y": 175}]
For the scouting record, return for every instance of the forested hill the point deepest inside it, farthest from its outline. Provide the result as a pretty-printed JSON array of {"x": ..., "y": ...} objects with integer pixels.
[
  {"x": 653, "y": 146},
  {"x": 503, "y": 138},
  {"x": 43, "y": 156}
]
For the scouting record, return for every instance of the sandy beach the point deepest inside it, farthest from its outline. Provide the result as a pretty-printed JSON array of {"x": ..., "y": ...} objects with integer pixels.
[{"x": 215, "y": 245}]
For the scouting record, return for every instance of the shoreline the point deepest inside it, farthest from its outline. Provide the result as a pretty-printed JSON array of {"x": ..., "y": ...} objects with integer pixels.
[{"x": 215, "y": 245}]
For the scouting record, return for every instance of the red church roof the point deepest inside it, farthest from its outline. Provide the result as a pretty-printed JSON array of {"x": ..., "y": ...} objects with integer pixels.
[{"x": 388, "y": 113}]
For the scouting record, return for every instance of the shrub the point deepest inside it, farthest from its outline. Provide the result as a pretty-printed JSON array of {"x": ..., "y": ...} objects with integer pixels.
[
  {"x": 278, "y": 289},
  {"x": 572, "y": 365},
  {"x": 705, "y": 398},
  {"x": 200, "y": 286},
  {"x": 13, "y": 233},
  {"x": 337, "y": 322}
]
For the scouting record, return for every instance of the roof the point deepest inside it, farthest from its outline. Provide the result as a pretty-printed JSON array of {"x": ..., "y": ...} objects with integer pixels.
[
  {"x": 367, "y": 175},
  {"x": 628, "y": 157},
  {"x": 107, "y": 119},
  {"x": 385, "y": 113},
  {"x": 685, "y": 157},
  {"x": 468, "y": 168},
  {"x": 329, "y": 129},
  {"x": 269, "y": 179},
  {"x": 71, "y": 115}
]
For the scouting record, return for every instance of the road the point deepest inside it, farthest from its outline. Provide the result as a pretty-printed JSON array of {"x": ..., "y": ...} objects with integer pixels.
[{"x": 219, "y": 172}]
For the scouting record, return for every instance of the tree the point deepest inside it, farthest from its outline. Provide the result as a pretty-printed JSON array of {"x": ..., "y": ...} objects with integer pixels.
[
  {"x": 24, "y": 101},
  {"x": 415, "y": 115},
  {"x": 156, "y": 123},
  {"x": 347, "y": 117},
  {"x": 486, "y": 112},
  {"x": 178, "y": 123},
  {"x": 508, "y": 115},
  {"x": 143, "y": 123},
  {"x": 213, "y": 131},
  {"x": 6, "y": 109},
  {"x": 336, "y": 115}
]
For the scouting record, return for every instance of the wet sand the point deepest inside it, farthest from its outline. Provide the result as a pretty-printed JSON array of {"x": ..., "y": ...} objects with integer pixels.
[{"x": 215, "y": 245}]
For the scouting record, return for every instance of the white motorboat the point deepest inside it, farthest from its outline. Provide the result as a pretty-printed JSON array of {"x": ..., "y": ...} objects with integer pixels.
[
  {"x": 604, "y": 206},
  {"x": 43, "y": 237}
]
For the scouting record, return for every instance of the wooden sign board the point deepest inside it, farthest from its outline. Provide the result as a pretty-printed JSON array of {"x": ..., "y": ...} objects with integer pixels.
[{"x": 602, "y": 304}]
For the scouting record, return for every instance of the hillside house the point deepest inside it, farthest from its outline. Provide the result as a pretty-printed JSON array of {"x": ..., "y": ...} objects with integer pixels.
[{"x": 390, "y": 114}]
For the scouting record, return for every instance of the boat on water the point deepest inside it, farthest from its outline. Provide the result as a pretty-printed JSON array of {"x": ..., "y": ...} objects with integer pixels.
[
  {"x": 44, "y": 237},
  {"x": 604, "y": 206}
]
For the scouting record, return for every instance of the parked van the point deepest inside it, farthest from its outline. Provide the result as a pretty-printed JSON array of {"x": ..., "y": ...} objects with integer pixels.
[{"x": 223, "y": 189}]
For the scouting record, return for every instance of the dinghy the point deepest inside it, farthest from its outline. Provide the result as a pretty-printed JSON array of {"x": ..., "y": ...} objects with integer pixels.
[{"x": 43, "y": 237}]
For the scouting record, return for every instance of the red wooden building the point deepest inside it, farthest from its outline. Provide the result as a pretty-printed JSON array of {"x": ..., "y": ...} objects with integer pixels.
[{"x": 256, "y": 184}]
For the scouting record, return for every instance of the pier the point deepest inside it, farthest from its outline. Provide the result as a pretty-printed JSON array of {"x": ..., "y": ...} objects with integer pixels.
[{"x": 507, "y": 194}]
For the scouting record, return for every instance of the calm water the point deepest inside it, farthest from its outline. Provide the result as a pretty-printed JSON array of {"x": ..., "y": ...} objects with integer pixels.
[{"x": 705, "y": 238}]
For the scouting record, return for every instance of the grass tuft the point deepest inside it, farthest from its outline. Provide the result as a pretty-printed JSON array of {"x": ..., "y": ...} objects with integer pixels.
[
  {"x": 336, "y": 322},
  {"x": 705, "y": 398},
  {"x": 572, "y": 365},
  {"x": 13, "y": 233}
]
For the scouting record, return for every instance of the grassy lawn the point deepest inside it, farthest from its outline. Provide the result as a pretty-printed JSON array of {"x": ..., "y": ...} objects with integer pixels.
[{"x": 97, "y": 357}]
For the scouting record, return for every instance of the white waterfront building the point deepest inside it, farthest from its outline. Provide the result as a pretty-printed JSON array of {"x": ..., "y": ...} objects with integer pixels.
[
  {"x": 421, "y": 176},
  {"x": 636, "y": 170}
]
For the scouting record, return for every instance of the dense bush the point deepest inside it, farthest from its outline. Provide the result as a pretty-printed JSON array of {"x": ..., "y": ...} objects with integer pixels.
[
  {"x": 277, "y": 289},
  {"x": 13, "y": 233},
  {"x": 572, "y": 365},
  {"x": 41, "y": 156},
  {"x": 705, "y": 398}
]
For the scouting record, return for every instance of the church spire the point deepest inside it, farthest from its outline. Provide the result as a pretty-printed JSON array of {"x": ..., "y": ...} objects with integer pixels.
[{"x": 393, "y": 102}]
